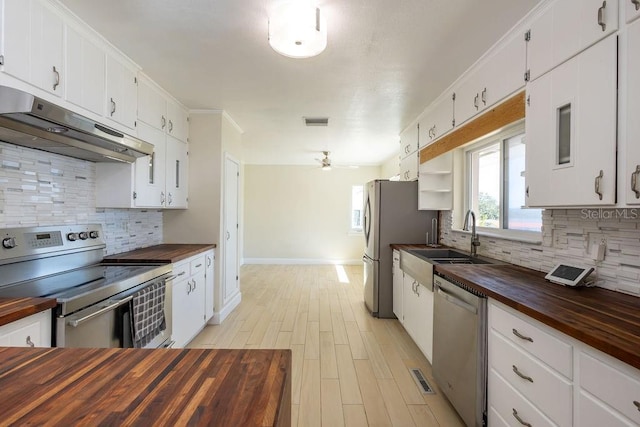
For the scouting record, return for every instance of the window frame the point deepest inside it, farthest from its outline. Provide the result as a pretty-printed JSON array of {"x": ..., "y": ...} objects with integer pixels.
[
  {"x": 502, "y": 137},
  {"x": 352, "y": 229}
]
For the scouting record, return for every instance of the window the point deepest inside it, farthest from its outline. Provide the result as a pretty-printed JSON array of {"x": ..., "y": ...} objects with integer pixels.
[
  {"x": 357, "y": 211},
  {"x": 496, "y": 184}
]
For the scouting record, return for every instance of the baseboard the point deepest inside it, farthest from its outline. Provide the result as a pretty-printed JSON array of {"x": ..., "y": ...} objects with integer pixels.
[
  {"x": 219, "y": 316},
  {"x": 301, "y": 261}
]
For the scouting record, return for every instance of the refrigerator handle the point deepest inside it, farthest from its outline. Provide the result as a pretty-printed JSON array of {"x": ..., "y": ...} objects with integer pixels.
[{"x": 367, "y": 222}]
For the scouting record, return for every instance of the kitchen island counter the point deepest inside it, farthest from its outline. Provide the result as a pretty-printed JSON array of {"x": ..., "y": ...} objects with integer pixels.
[
  {"x": 606, "y": 320},
  {"x": 74, "y": 386},
  {"x": 167, "y": 253},
  {"x": 12, "y": 309}
]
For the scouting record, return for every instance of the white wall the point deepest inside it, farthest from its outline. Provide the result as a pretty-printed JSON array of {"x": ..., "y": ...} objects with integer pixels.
[
  {"x": 300, "y": 214},
  {"x": 391, "y": 167}
]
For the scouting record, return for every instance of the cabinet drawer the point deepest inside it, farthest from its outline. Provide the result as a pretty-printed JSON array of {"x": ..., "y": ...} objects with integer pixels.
[
  {"x": 506, "y": 402},
  {"x": 551, "y": 350},
  {"x": 552, "y": 393},
  {"x": 618, "y": 389},
  {"x": 197, "y": 264},
  {"x": 594, "y": 413},
  {"x": 181, "y": 270},
  {"x": 31, "y": 331}
]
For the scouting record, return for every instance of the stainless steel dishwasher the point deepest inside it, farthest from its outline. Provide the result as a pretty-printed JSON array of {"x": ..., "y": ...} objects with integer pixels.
[{"x": 460, "y": 348}]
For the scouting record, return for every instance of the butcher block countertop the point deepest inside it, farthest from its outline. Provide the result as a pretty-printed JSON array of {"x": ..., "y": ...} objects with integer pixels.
[
  {"x": 165, "y": 254},
  {"x": 606, "y": 320},
  {"x": 12, "y": 309},
  {"x": 74, "y": 386}
]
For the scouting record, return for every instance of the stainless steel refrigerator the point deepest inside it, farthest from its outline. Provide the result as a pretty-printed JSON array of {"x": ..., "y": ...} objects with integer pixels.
[{"x": 391, "y": 215}]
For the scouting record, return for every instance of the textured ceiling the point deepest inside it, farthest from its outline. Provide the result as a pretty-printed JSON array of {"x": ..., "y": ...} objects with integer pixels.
[{"x": 384, "y": 63}]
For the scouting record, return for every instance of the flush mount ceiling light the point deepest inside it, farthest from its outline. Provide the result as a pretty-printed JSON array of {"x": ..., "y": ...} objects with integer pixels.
[{"x": 297, "y": 29}]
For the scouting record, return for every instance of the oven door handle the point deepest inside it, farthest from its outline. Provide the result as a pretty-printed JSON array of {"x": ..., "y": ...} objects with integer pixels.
[{"x": 76, "y": 322}]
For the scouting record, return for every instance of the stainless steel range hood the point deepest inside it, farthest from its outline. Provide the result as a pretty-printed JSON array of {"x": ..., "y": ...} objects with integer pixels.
[{"x": 35, "y": 123}]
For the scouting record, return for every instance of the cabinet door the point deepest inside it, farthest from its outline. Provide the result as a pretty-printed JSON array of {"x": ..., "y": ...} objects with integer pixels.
[
  {"x": 632, "y": 9},
  {"x": 197, "y": 303},
  {"x": 504, "y": 73},
  {"x": 30, "y": 331},
  {"x": 631, "y": 179},
  {"x": 176, "y": 173},
  {"x": 122, "y": 94},
  {"x": 85, "y": 72},
  {"x": 468, "y": 102},
  {"x": 425, "y": 322},
  {"x": 152, "y": 105},
  {"x": 150, "y": 180},
  {"x": 566, "y": 28},
  {"x": 209, "y": 286},
  {"x": 47, "y": 49},
  {"x": 409, "y": 140},
  {"x": 410, "y": 305},
  {"x": 443, "y": 116},
  {"x": 16, "y": 39},
  {"x": 571, "y": 131},
  {"x": 178, "y": 123},
  {"x": 181, "y": 309},
  {"x": 398, "y": 286},
  {"x": 409, "y": 167}
]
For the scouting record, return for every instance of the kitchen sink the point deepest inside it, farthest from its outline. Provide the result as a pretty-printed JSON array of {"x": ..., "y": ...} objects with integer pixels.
[
  {"x": 430, "y": 254},
  {"x": 465, "y": 260}
]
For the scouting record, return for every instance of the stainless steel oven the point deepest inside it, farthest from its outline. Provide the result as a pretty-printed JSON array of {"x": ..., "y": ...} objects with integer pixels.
[{"x": 94, "y": 300}]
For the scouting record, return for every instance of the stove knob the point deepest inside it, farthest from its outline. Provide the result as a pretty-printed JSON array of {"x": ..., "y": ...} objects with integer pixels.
[
  {"x": 72, "y": 237},
  {"x": 93, "y": 234},
  {"x": 83, "y": 235},
  {"x": 9, "y": 243}
]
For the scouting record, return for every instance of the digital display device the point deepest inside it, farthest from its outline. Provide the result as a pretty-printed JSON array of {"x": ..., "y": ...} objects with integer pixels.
[
  {"x": 43, "y": 236},
  {"x": 567, "y": 274}
]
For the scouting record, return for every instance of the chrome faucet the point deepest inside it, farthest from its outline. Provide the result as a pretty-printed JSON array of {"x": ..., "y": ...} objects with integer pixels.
[{"x": 475, "y": 242}]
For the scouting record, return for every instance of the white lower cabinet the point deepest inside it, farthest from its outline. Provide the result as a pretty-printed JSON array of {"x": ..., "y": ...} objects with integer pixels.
[
  {"x": 209, "y": 289},
  {"x": 417, "y": 306},
  {"x": 188, "y": 299},
  {"x": 30, "y": 331},
  {"x": 398, "y": 284},
  {"x": 542, "y": 377}
]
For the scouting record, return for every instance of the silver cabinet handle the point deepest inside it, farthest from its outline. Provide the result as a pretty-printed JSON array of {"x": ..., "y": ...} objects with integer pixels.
[
  {"x": 113, "y": 107},
  {"x": 521, "y": 375},
  {"x": 484, "y": 96},
  {"x": 522, "y": 337},
  {"x": 598, "y": 181},
  {"x": 170, "y": 126},
  {"x": 29, "y": 342},
  {"x": 601, "y": 16},
  {"x": 57, "y": 81},
  {"x": 208, "y": 262},
  {"x": 634, "y": 178},
  {"x": 76, "y": 322},
  {"x": 190, "y": 288},
  {"x": 194, "y": 284},
  {"x": 635, "y": 402},
  {"x": 170, "y": 199},
  {"x": 417, "y": 289},
  {"x": 162, "y": 198},
  {"x": 163, "y": 121},
  {"x": 520, "y": 420},
  {"x": 435, "y": 131},
  {"x": 475, "y": 101},
  {"x": 637, "y": 4}
]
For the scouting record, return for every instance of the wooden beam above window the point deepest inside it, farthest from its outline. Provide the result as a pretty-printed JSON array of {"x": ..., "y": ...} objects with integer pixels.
[{"x": 510, "y": 111}]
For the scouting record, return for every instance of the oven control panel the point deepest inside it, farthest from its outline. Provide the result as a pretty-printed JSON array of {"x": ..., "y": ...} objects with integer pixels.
[{"x": 31, "y": 241}]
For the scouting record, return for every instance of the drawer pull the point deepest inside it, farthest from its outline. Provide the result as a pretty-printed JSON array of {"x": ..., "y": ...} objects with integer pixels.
[
  {"x": 31, "y": 344},
  {"x": 521, "y": 375},
  {"x": 635, "y": 402},
  {"x": 520, "y": 420},
  {"x": 198, "y": 265},
  {"x": 522, "y": 337}
]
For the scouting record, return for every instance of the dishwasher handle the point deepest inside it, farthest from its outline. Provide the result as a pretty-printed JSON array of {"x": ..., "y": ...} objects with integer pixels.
[{"x": 454, "y": 300}]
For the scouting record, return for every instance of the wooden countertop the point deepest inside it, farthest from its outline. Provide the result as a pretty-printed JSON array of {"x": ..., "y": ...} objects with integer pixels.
[
  {"x": 12, "y": 309},
  {"x": 606, "y": 320},
  {"x": 165, "y": 254},
  {"x": 74, "y": 386}
]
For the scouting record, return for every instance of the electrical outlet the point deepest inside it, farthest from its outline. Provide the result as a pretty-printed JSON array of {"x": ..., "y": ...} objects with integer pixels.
[{"x": 597, "y": 246}]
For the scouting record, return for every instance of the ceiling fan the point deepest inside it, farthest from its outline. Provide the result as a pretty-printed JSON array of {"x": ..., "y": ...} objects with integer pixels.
[{"x": 325, "y": 163}]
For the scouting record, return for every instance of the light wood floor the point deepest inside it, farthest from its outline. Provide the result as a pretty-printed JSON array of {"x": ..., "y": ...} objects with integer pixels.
[{"x": 348, "y": 368}]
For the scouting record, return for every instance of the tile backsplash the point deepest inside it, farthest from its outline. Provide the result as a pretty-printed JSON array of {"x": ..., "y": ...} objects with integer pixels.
[
  {"x": 568, "y": 235},
  {"x": 39, "y": 188}
]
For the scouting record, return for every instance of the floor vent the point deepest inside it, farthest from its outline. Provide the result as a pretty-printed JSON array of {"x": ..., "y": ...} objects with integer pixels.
[{"x": 419, "y": 378}]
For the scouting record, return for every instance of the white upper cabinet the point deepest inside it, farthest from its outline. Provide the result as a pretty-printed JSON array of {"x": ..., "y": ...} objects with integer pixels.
[
  {"x": 571, "y": 131},
  {"x": 150, "y": 171},
  {"x": 630, "y": 168},
  {"x": 409, "y": 140},
  {"x": 632, "y": 9},
  {"x": 177, "y": 184},
  {"x": 157, "y": 109},
  {"x": 566, "y": 28},
  {"x": 32, "y": 44},
  {"x": 122, "y": 92},
  {"x": 437, "y": 120},
  {"x": 85, "y": 70}
]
